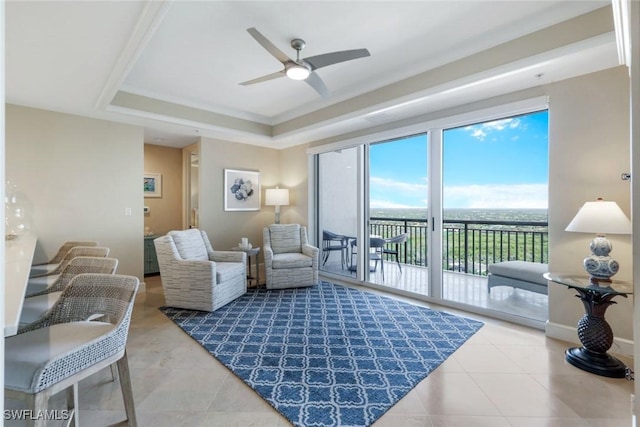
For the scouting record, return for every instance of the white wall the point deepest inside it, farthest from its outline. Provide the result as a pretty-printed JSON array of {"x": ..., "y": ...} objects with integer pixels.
[
  {"x": 338, "y": 202},
  {"x": 79, "y": 175}
]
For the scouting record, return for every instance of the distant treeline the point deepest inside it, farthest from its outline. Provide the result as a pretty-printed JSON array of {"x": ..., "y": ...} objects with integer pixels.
[{"x": 464, "y": 214}]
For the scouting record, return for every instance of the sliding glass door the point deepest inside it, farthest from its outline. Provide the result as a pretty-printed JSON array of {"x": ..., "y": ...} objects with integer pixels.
[
  {"x": 430, "y": 213},
  {"x": 494, "y": 187},
  {"x": 399, "y": 214}
]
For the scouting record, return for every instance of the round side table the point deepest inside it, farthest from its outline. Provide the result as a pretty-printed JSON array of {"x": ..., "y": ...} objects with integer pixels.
[{"x": 251, "y": 253}]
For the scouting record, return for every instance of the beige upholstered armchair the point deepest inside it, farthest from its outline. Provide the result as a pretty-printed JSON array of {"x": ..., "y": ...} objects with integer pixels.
[
  {"x": 289, "y": 260},
  {"x": 196, "y": 277}
]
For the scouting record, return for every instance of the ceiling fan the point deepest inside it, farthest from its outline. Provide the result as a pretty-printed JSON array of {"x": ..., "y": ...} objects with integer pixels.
[{"x": 302, "y": 69}]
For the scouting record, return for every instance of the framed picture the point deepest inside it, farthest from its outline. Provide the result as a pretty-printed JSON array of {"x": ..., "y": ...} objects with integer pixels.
[
  {"x": 241, "y": 190},
  {"x": 152, "y": 185}
]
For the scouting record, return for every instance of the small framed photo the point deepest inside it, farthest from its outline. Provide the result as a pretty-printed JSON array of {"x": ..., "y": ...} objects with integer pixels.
[
  {"x": 152, "y": 185},
  {"x": 241, "y": 190}
]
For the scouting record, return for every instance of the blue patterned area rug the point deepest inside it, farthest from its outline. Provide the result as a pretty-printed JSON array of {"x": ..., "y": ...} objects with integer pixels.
[{"x": 327, "y": 355}]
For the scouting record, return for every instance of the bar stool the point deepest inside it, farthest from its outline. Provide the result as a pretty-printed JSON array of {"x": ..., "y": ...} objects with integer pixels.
[
  {"x": 84, "y": 332},
  {"x": 36, "y": 305},
  {"x": 40, "y": 283},
  {"x": 48, "y": 267}
]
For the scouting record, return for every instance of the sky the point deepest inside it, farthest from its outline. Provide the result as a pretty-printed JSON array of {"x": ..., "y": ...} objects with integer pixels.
[{"x": 496, "y": 164}]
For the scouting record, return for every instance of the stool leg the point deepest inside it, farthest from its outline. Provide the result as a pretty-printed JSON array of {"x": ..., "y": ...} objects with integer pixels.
[
  {"x": 127, "y": 390},
  {"x": 39, "y": 405},
  {"x": 114, "y": 372},
  {"x": 72, "y": 405}
]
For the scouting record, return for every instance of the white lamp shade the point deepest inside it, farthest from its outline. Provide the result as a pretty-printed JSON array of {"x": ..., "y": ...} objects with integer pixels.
[
  {"x": 277, "y": 197},
  {"x": 600, "y": 217}
]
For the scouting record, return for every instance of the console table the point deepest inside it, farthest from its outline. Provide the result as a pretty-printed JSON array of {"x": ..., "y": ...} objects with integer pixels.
[
  {"x": 594, "y": 332},
  {"x": 150, "y": 257},
  {"x": 18, "y": 257}
]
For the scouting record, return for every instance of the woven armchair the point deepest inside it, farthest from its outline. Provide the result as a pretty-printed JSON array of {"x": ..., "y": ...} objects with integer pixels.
[
  {"x": 48, "y": 267},
  {"x": 84, "y": 332},
  {"x": 197, "y": 277},
  {"x": 289, "y": 260},
  {"x": 38, "y": 284},
  {"x": 37, "y": 304}
]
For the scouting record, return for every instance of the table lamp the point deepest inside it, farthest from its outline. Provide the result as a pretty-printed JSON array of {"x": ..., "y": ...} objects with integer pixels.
[
  {"x": 277, "y": 197},
  {"x": 600, "y": 217}
]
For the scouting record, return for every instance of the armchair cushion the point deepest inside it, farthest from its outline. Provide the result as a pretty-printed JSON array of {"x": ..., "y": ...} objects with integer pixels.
[
  {"x": 228, "y": 270},
  {"x": 190, "y": 245},
  {"x": 285, "y": 238},
  {"x": 291, "y": 260}
]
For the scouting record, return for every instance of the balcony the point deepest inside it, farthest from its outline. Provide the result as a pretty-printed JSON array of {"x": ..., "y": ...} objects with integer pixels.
[{"x": 469, "y": 246}]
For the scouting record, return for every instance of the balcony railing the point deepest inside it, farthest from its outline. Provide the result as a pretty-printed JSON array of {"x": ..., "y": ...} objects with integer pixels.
[{"x": 469, "y": 246}]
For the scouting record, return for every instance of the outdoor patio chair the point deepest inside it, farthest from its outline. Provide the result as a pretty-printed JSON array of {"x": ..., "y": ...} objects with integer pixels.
[
  {"x": 332, "y": 242},
  {"x": 375, "y": 254},
  {"x": 376, "y": 245},
  {"x": 396, "y": 241},
  {"x": 49, "y": 267},
  {"x": 194, "y": 275},
  {"x": 289, "y": 260},
  {"x": 85, "y": 331}
]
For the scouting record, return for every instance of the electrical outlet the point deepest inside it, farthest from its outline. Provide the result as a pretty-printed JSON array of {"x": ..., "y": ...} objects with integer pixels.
[{"x": 127, "y": 211}]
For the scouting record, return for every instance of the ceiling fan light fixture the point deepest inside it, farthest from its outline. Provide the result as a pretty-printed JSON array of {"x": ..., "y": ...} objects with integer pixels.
[{"x": 298, "y": 71}]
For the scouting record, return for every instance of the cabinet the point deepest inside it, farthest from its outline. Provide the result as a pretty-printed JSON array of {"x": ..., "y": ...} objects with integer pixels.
[{"x": 150, "y": 258}]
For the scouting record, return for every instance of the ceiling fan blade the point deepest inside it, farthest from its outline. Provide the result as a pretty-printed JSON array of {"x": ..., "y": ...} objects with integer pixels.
[
  {"x": 325, "y": 59},
  {"x": 316, "y": 83},
  {"x": 264, "y": 78},
  {"x": 270, "y": 47}
]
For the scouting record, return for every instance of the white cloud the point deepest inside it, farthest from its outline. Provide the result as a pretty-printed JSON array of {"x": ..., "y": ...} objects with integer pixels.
[
  {"x": 481, "y": 130},
  {"x": 394, "y": 194},
  {"x": 506, "y": 196},
  {"x": 386, "y": 204},
  {"x": 384, "y": 183}
]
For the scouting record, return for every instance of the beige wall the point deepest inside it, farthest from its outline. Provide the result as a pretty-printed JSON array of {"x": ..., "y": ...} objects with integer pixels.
[
  {"x": 294, "y": 175},
  {"x": 165, "y": 213},
  {"x": 226, "y": 228},
  {"x": 588, "y": 150},
  {"x": 80, "y": 175}
]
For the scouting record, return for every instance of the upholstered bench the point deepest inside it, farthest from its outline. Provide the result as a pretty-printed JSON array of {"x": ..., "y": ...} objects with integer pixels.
[{"x": 519, "y": 274}]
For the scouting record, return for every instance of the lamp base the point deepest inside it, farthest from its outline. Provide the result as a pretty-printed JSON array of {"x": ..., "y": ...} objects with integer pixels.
[
  {"x": 599, "y": 264},
  {"x": 277, "y": 218}
]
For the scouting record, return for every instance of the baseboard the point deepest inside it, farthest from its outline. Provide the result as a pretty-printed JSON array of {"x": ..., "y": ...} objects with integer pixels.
[
  {"x": 142, "y": 287},
  {"x": 620, "y": 346}
]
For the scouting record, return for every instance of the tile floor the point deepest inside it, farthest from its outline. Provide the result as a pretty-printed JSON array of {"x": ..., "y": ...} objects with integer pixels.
[{"x": 505, "y": 375}]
